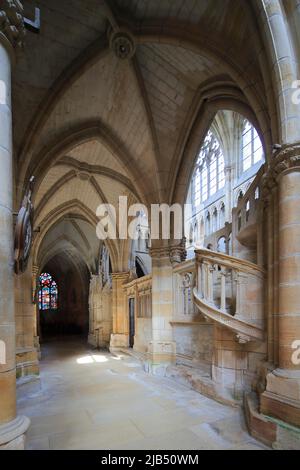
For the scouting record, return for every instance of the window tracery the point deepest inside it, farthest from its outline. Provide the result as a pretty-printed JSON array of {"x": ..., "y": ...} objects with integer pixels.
[
  {"x": 209, "y": 172},
  {"x": 48, "y": 292}
]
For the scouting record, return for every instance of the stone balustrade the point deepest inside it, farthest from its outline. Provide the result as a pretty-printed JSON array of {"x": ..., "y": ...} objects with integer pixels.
[
  {"x": 184, "y": 279},
  {"x": 229, "y": 291}
]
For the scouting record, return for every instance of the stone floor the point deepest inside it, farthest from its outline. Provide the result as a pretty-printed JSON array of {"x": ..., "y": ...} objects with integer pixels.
[{"x": 95, "y": 400}]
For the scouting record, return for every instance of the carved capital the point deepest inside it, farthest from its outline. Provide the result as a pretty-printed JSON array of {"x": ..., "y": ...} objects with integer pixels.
[
  {"x": 12, "y": 30},
  {"x": 268, "y": 183},
  {"x": 287, "y": 158},
  {"x": 176, "y": 253},
  {"x": 159, "y": 252},
  {"x": 121, "y": 276}
]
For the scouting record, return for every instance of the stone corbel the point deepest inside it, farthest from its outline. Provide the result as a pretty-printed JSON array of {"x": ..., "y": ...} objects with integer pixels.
[{"x": 243, "y": 339}]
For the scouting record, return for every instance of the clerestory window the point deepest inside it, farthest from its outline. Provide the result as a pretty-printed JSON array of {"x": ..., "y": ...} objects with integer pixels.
[
  {"x": 252, "y": 149},
  {"x": 209, "y": 172}
]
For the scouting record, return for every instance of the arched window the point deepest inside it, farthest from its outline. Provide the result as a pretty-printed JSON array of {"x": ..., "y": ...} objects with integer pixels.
[
  {"x": 221, "y": 248},
  {"x": 202, "y": 230},
  {"x": 48, "y": 293},
  {"x": 191, "y": 234},
  {"x": 229, "y": 244},
  {"x": 240, "y": 196},
  {"x": 215, "y": 220},
  {"x": 139, "y": 268},
  {"x": 147, "y": 240},
  {"x": 222, "y": 216},
  {"x": 209, "y": 173},
  {"x": 197, "y": 188},
  {"x": 247, "y": 210},
  {"x": 252, "y": 149},
  {"x": 207, "y": 224}
]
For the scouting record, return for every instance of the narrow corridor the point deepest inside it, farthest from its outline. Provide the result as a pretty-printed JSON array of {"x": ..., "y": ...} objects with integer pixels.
[{"x": 95, "y": 400}]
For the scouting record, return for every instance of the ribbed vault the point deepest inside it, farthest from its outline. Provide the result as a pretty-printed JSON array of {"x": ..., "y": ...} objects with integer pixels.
[{"x": 92, "y": 127}]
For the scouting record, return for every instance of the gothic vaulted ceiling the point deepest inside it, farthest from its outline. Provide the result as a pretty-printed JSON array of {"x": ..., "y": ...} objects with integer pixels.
[{"x": 91, "y": 126}]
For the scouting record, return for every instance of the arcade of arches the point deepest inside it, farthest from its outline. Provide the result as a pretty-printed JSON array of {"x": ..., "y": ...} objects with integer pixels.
[{"x": 188, "y": 102}]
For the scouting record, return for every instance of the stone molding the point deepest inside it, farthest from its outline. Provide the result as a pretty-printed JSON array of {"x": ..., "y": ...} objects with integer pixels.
[
  {"x": 120, "y": 276},
  {"x": 243, "y": 330},
  {"x": 176, "y": 253},
  {"x": 231, "y": 262},
  {"x": 160, "y": 252},
  {"x": 13, "y": 429},
  {"x": 12, "y": 30},
  {"x": 35, "y": 270},
  {"x": 287, "y": 158}
]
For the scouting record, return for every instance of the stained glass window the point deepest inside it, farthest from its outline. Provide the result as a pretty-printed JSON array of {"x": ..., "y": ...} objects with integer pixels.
[{"x": 48, "y": 292}]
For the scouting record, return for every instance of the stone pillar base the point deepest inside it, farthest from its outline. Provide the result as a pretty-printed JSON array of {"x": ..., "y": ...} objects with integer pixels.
[
  {"x": 92, "y": 340},
  {"x": 160, "y": 355},
  {"x": 282, "y": 396},
  {"x": 228, "y": 383},
  {"x": 37, "y": 345},
  {"x": 118, "y": 341},
  {"x": 140, "y": 346},
  {"x": 28, "y": 385},
  {"x": 12, "y": 434},
  {"x": 270, "y": 431}
]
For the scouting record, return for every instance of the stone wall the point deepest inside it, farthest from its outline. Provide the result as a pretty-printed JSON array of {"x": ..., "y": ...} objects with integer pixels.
[
  {"x": 194, "y": 342},
  {"x": 26, "y": 352},
  {"x": 100, "y": 312},
  {"x": 143, "y": 334}
]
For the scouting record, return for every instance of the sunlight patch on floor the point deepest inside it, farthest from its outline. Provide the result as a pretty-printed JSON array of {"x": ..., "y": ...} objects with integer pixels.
[{"x": 91, "y": 358}]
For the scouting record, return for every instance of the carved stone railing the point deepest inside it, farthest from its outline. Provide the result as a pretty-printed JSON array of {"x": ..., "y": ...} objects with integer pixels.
[
  {"x": 245, "y": 215},
  {"x": 184, "y": 281},
  {"x": 213, "y": 241},
  {"x": 229, "y": 291}
]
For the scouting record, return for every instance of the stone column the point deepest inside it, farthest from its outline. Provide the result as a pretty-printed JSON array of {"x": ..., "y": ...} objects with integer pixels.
[
  {"x": 120, "y": 335},
  {"x": 282, "y": 396},
  {"x": 12, "y": 428},
  {"x": 162, "y": 348}
]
